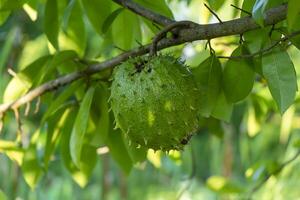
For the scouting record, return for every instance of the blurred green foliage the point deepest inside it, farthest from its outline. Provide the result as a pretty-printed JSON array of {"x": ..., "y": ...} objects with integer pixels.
[{"x": 240, "y": 150}]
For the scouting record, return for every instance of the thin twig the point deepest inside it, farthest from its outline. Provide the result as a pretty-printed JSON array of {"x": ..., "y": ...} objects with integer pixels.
[
  {"x": 212, "y": 12},
  {"x": 139, "y": 43},
  {"x": 156, "y": 26},
  {"x": 272, "y": 29},
  {"x": 37, "y": 105},
  {"x": 266, "y": 178},
  {"x": 242, "y": 10},
  {"x": 11, "y": 72},
  {"x": 119, "y": 48},
  {"x": 211, "y": 50},
  {"x": 199, "y": 32},
  {"x": 241, "y": 39},
  {"x": 27, "y": 109},
  {"x": 263, "y": 51}
]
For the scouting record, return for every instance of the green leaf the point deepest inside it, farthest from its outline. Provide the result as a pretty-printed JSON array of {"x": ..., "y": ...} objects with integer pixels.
[
  {"x": 3, "y": 14},
  {"x": 208, "y": 77},
  {"x": 293, "y": 13},
  {"x": 80, "y": 126},
  {"x": 23, "y": 81},
  {"x": 110, "y": 19},
  {"x": 88, "y": 154},
  {"x": 31, "y": 168},
  {"x": 128, "y": 24},
  {"x": 296, "y": 143},
  {"x": 7, "y": 47},
  {"x": 137, "y": 154},
  {"x": 159, "y": 6},
  {"x": 223, "y": 109},
  {"x": 12, "y": 4},
  {"x": 238, "y": 77},
  {"x": 36, "y": 48},
  {"x": 248, "y": 6},
  {"x": 7, "y": 145},
  {"x": 103, "y": 121},
  {"x": 88, "y": 162},
  {"x": 255, "y": 39},
  {"x": 215, "y": 4},
  {"x": 213, "y": 125},
  {"x": 12, "y": 150},
  {"x": 97, "y": 12},
  {"x": 279, "y": 72},
  {"x": 296, "y": 39},
  {"x": 51, "y": 22},
  {"x": 258, "y": 11},
  {"x": 118, "y": 149},
  {"x": 58, "y": 102},
  {"x": 54, "y": 129},
  {"x": 76, "y": 28},
  {"x": 58, "y": 59}
]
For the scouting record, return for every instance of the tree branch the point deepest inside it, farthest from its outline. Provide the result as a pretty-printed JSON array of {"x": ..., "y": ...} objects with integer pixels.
[
  {"x": 186, "y": 34},
  {"x": 148, "y": 14}
]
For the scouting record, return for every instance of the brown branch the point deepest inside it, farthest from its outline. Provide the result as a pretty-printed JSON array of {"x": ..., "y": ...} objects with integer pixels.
[
  {"x": 193, "y": 33},
  {"x": 148, "y": 14}
]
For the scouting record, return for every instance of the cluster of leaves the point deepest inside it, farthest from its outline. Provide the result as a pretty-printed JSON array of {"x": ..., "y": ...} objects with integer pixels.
[{"x": 75, "y": 120}]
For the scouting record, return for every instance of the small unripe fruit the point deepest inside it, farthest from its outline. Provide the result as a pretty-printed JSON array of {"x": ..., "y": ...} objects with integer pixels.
[{"x": 154, "y": 102}]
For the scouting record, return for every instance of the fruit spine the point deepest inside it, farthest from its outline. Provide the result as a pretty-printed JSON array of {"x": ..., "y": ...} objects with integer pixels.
[{"x": 154, "y": 101}]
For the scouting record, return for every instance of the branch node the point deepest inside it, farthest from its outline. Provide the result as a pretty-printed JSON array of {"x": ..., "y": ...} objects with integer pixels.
[
  {"x": 211, "y": 50},
  {"x": 163, "y": 33},
  {"x": 241, "y": 41},
  {"x": 271, "y": 31}
]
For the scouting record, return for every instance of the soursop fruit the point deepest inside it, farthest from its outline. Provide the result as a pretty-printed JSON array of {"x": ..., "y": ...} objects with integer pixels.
[{"x": 154, "y": 101}]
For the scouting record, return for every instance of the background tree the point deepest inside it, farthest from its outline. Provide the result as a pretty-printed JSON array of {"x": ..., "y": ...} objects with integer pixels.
[{"x": 56, "y": 61}]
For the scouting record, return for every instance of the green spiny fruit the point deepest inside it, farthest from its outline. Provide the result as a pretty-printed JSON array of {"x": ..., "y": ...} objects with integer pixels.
[{"x": 154, "y": 102}]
